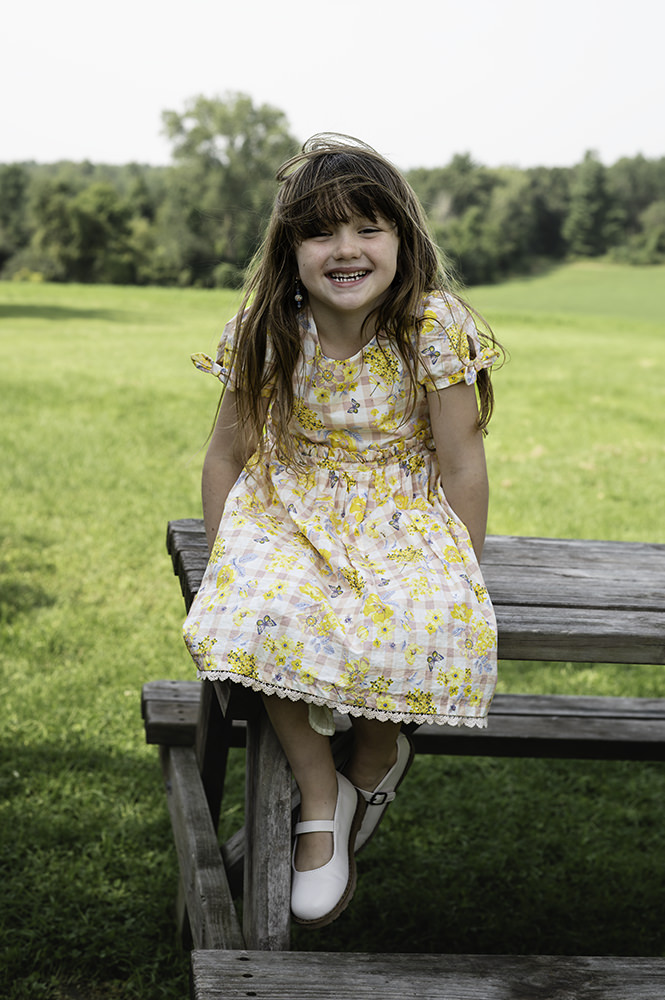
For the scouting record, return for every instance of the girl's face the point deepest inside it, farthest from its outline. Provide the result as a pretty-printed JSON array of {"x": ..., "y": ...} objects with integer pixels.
[{"x": 348, "y": 269}]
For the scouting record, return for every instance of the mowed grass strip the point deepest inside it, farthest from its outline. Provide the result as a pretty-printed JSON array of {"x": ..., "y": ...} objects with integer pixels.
[{"x": 103, "y": 425}]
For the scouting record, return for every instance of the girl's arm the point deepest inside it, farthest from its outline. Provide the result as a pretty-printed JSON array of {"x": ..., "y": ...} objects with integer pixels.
[
  {"x": 461, "y": 454},
  {"x": 223, "y": 464}
]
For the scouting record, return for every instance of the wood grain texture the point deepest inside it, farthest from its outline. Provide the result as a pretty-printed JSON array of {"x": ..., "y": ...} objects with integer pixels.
[
  {"x": 267, "y": 871},
  {"x": 212, "y": 916},
  {"x": 336, "y": 976},
  {"x": 600, "y": 728},
  {"x": 555, "y": 599}
]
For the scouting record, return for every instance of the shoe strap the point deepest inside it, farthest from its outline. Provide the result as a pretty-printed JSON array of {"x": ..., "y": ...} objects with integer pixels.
[
  {"x": 377, "y": 798},
  {"x": 314, "y": 826}
]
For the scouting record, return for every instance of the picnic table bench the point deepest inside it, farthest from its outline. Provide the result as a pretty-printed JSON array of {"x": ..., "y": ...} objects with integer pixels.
[{"x": 558, "y": 600}]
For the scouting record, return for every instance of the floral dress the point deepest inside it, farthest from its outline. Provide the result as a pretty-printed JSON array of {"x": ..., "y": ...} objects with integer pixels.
[{"x": 353, "y": 585}]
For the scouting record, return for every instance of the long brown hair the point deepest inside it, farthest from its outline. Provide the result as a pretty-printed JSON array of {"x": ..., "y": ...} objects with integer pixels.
[{"x": 334, "y": 178}]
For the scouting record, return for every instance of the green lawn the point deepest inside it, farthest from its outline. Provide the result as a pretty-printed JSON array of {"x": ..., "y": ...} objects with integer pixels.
[{"x": 103, "y": 425}]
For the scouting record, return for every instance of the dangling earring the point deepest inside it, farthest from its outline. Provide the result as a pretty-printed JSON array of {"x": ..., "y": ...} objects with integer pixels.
[{"x": 298, "y": 295}]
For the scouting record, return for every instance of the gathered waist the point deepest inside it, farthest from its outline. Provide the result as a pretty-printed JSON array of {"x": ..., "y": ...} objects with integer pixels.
[{"x": 336, "y": 456}]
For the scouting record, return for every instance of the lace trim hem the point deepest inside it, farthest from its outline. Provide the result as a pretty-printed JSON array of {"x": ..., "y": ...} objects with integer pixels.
[{"x": 470, "y": 721}]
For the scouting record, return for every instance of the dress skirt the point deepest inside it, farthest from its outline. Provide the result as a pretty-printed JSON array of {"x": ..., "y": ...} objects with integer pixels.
[{"x": 353, "y": 585}]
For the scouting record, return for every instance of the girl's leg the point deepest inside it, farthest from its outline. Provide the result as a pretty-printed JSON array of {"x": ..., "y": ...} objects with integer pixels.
[
  {"x": 310, "y": 758},
  {"x": 374, "y": 752},
  {"x": 381, "y": 758}
]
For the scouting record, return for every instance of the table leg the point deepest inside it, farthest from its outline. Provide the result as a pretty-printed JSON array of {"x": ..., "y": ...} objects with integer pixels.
[{"x": 267, "y": 882}]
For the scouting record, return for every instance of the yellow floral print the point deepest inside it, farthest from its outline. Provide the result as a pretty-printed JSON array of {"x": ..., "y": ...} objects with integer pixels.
[
  {"x": 225, "y": 578},
  {"x": 242, "y": 663},
  {"x": 354, "y": 580},
  {"x": 350, "y": 582},
  {"x": 434, "y": 620},
  {"x": 377, "y": 610},
  {"x": 306, "y": 418},
  {"x": 420, "y": 586},
  {"x": 410, "y": 554},
  {"x": 411, "y": 652},
  {"x": 383, "y": 364},
  {"x": 282, "y": 561},
  {"x": 421, "y": 702},
  {"x": 205, "y": 649}
]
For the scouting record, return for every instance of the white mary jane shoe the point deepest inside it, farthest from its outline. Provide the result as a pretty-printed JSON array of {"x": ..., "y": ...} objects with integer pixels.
[
  {"x": 384, "y": 793},
  {"x": 320, "y": 895}
]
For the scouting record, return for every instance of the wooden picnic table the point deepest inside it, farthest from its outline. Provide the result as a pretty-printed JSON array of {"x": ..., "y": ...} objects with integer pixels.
[{"x": 555, "y": 600}]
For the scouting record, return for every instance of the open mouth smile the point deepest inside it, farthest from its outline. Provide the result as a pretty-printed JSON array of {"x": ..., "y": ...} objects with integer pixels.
[{"x": 346, "y": 277}]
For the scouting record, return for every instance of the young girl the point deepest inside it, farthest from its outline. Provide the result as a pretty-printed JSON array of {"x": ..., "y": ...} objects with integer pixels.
[{"x": 345, "y": 500}]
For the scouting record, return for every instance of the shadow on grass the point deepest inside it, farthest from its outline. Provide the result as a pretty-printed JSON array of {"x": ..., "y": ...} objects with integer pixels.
[
  {"x": 476, "y": 855},
  {"x": 22, "y": 571},
  {"x": 512, "y": 857},
  {"x": 88, "y": 875},
  {"x": 49, "y": 312}
]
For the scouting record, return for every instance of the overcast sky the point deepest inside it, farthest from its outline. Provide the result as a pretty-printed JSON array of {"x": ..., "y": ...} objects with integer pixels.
[{"x": 515, "y": 82}]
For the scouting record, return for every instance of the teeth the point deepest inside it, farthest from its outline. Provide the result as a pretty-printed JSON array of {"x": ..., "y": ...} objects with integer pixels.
[{"x": 348, "y": 277}]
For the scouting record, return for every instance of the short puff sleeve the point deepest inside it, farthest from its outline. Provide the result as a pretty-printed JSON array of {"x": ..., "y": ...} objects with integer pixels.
[
  {"x": 221, "y": 366},
  {"x": 449, "y": 345}
]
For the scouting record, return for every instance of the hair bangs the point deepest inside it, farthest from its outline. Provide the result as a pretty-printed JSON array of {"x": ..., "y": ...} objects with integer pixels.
[{"x": 330, "y": 191}]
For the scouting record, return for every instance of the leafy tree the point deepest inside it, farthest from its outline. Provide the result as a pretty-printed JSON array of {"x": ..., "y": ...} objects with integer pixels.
[
  {"x": 100, "y": 223},
  {"x": 635, "y": 183},
  {"x": 451, "y": 190},
  {"x": 227, "y": 151},
  {"x": 590, "y": 226},
  {"x": 463, "y": 240},
  {"x": 652, "y": 220},
  {"x": 647, "y": 246},
  {"x": 13, "y": 210},
  {"x": 200, "y": 220},
  {"x": 550, "y": 199},
  {"x": 82, "y": 236},
  {"x": 510, "y": 223}
]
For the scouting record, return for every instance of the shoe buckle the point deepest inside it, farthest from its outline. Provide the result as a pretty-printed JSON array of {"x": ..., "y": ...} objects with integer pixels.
[{"x": 379, "y": 799}]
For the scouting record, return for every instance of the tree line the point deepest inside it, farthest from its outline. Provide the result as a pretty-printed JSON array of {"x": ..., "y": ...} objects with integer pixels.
[{"x": 199, "y": 221}]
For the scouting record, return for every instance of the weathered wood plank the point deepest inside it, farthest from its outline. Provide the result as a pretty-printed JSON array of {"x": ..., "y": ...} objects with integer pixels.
[
  {"x": 569, "y": 558},
  {"x": 552, "y": 596},
  {"x": 611, "y": 706},
  {"x": 566, "y": 553},
  {"x": 580, "y": 635},
  {"x": 600, "y": 707},
  {"x": 573, "y": 573},
  {"x": 171, "y": 690},
  {"x": 170, "y": 710},
  {"x": 211, "y": 744},
  {"x": 210, "y": 908},
  {"x": 267, "y": 873},
  {"x": 561, "y": 726},
  {"x": 338, "y": 976},
  {"x": 498, "y": 548},
  {"x": 519, "y": 725},
  {"x": 169, "y": 723},
  {"x": 546, "y": 586},
  {"x": 566, "y": 737}
]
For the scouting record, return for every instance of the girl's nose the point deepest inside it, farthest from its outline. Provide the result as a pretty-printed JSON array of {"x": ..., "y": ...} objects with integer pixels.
[{"x": 346, "y": 245}]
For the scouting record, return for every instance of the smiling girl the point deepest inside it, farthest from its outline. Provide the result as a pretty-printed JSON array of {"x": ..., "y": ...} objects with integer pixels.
[{"x": 345, "y": 500}]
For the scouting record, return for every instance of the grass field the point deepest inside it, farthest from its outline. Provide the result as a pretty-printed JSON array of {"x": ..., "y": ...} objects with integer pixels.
[{"x": 103, "y": 425}]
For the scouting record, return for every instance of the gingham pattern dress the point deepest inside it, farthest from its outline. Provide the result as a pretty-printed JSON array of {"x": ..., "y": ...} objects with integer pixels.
[{"x": 354, "y": 585}]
